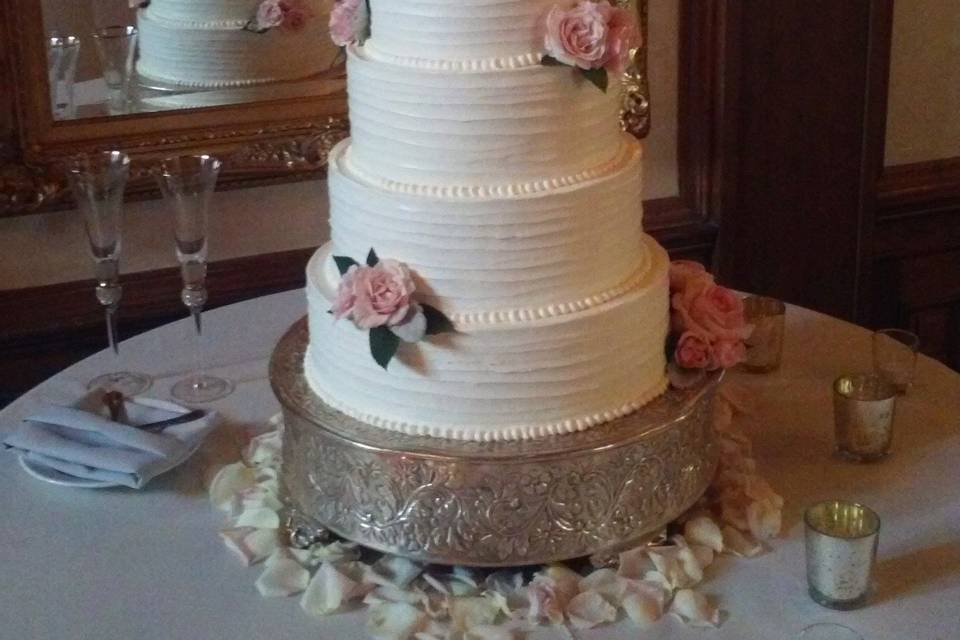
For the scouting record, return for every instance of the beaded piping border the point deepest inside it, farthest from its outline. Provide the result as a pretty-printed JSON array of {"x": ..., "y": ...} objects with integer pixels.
[
  {"x": 657, "y": 258},
  {"x": 369, "y": 52},
  {"x": 628, "y": 153},
  {"x": 486, "y": 434}
]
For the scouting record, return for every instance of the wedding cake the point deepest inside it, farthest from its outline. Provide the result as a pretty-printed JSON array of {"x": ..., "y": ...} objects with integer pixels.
[
  {"x": 488, "y": 277},
  {"x": 225, "y": 43}
]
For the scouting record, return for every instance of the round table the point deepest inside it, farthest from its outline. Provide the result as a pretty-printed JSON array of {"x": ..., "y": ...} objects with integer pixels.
[{"x": 118, "y": 563}]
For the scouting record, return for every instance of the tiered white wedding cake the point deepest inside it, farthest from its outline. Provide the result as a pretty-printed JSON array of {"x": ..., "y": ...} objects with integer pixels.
[
  {"x": 508, "y": 191},
  {"x": 226, "y": 43}
]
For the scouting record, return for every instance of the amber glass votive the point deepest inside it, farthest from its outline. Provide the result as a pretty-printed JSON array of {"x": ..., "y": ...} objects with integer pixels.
[{"x": 765, "y": 344}]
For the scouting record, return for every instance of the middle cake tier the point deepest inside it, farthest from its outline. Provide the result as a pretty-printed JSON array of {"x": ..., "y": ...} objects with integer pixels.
[
  {"x": 497, "y": 379},
  {"x": 529, "y": 250}
]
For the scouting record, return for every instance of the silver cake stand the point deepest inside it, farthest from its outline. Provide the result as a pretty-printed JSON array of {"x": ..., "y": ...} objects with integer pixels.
[{"x": 491, "y": 504}]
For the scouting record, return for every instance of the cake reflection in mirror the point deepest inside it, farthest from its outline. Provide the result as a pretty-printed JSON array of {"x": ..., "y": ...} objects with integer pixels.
[{"x": 187, "y": 54}]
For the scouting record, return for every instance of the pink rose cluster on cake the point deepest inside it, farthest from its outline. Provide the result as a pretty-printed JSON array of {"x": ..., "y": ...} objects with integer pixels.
[
  {"x": 707, "y": 319},
  {"x": 289, "y": 15},
  {"x": 591, "y": 35},
  {"x": 375, "y": 296},
  {"x": 349, "y": 22}
]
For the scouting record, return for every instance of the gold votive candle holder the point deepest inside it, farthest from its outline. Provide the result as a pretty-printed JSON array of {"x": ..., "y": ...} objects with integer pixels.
[
  {"x": 765, "y": 344},
  {"x": 864, "y": 405},
  {"x": 841, "y": 546}
]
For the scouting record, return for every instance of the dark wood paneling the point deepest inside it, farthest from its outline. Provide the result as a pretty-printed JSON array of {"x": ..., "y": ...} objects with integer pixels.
[
  {"x": 798, "y": 226},
  {"x": 45, "y": 329}
]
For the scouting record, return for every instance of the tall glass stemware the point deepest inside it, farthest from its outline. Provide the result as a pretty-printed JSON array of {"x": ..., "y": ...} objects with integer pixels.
[
  {"x": 117, "y": 48},
  {"x": 187, "y": 182},
  {"x": 97, "y": 182}
]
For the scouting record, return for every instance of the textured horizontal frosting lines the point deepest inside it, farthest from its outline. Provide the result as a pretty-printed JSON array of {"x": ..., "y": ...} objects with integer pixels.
[
  {"x": 443, "y": 127},
  {"x": 230, "y": 56},
  {"x": 209, "y": 12},
  {"x": 490, "y": 254},
  {"x": 508, "y": 380},
  {"x": 457, "y": 29}
]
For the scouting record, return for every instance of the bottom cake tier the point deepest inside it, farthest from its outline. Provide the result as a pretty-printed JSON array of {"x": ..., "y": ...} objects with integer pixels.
[
  {"x": 498, "y": 380},
  {"x": 490, "y": 503}
]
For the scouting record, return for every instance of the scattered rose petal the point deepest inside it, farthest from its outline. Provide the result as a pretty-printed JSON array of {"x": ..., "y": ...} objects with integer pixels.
[
  {"x": 228, "y": 482},
  {"x": 395, "y": 571},
  {"x": 764, "y": 519},
  {"x": 328, "y": 591},
  {"x": 677, "y": 564},
  {"x": 335, "y": 553},
  {"x": 391, "y": 593},
  {"x": 739, "y": 544},
  {"x": 282, "y": 577},
  {"x": 704, "y": 531},
  {"x": 589, "y": 609},
  {"x": 264, "y": 450},
  {"x": 634, "y": 563},
  {"x": 607, "y": 583},
  {"x": 467, "y": 613},
  {"x": 704, "y": 555},
  {"x": 644, "y": 604},
  {"x": 489, "y": 632},
  {"x": 436, "y": 583},
  {"x": 259, "y": 518},
  {"x": 258, "y": 498},
  {"x": 694, "y": 609},
  {"x": 394, "y": 621},
  {"x": 249, "y": 544}
]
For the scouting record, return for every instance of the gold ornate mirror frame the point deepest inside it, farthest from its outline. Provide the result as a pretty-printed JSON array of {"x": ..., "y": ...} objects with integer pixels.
[{"x": 262, "y": 142}]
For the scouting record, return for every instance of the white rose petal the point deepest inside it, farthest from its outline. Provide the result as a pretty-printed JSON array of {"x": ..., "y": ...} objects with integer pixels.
[
  {"x": 395, "y": 571},
  {"x": 644, "y": 603},
  {"x": 282, "y": 577},
  {"x": 258, "y": 518},
  {"x": 704, "y": 555},
  {"x": 394, "y": 621},
  {"x": 607, "y": 583},
  {"x": 694, "y": 609},
  {"x": 703, "y": 530},
  {"x": 634, "y": 563},
  {"x": 490, "y": 632},
  {"x": 436, "y": 583},
  {"x": 264, "y": 450},
  {"x": 764, "y": 519},
  {"x": 259, "y": 498},
  {"x": 467, "y": 613},
  {"x": 589, "y": 609},
  {"x": 228, "y": 482},
  {"x": 249, "y": 544},
  {"x": 739, "y": 544},
  {"x": 328, "y": 591},
  {"x": 335, "y": 553}
]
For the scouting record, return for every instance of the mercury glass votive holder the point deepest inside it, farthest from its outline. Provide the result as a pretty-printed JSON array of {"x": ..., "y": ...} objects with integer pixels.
[
  {"x": 841, "y": 545},
  {"x": 765, "y": 344},
  {"x": 863, "y": 406}
]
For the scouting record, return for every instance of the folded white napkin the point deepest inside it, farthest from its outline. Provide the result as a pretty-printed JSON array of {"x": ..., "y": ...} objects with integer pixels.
[{"x": 83, "y": 442}]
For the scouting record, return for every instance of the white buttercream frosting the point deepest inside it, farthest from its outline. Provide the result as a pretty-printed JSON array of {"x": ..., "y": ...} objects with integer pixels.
[
  {"x": 203, "y": 44},
  {"x": 441, "y": 126},
  {"x": 546, "y": 249},
  {"x": 502, "y": 380}
]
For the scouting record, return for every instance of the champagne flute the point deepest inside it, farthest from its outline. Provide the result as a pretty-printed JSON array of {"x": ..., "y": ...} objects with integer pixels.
[
  {"x": 97, "y": 182},
  {"x": 187, "y": 182}
]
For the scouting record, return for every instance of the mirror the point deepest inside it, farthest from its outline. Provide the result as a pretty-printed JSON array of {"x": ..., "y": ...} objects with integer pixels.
[{"x": 122, "y": 57}]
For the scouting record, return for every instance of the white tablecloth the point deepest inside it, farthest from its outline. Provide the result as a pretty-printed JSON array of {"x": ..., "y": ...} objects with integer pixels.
[{"x": 120, "y": 564}]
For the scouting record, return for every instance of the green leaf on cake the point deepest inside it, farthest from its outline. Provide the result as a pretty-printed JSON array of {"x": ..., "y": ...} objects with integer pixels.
[
  {"x": 598, "y": 77},
  {"x": 436, "y": 322},
  {"x": 344, "y": 263},
  {"x": 372, "y": 258},
  {"x": 383, "y": 345},
  {"x": 550, "y": 61}
]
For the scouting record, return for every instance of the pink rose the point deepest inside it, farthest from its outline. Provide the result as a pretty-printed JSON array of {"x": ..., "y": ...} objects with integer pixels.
[
  {"x": 729, "y": 353},
  {"x": 710, "y": 309},
  {"x": 375, "y": 296},
  {"x": 694, "y": 351},
  {"x": 270, "y": 14},
  {"x": 683, "y": 271},
  {"x": 295, "y": 17},
  {"x": 577, "y": 36},
  {"x": 622, "y": 36},
  {"x": 348, "y": 22}
]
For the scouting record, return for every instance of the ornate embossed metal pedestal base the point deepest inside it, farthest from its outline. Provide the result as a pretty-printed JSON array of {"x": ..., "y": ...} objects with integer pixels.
[{"x": 496, "y": 503}]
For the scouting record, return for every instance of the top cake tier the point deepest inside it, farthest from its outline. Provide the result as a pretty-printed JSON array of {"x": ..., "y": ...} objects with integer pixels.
[
  {"x": 457, "y": 29},
  {"x": 205, "y": 12}
]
